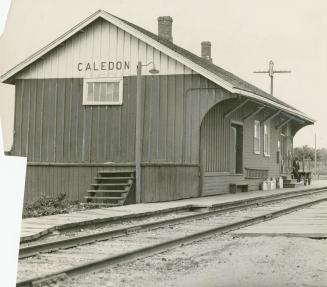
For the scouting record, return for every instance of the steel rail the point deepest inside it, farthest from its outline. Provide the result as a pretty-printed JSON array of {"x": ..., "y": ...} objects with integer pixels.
[
  {"x": 47, "y": 247},
  {"x": 102, "y": 221},
  {"x": 146, "y": 251}
]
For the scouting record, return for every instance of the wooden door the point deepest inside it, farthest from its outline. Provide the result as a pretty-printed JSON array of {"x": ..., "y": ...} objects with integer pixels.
[
  {"x": 236, "y": 148},
  {"x": 233, "y": 137},
  {"x": 202, "y": 163},
  {"x": 239, "y": 149},
  {"x": 283, "y": 153}
]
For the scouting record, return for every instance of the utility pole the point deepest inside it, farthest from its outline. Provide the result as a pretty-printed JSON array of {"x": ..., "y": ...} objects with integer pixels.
[
  {"x": 271, "y": 73},
  {"x": 138, "y": 127},
  {"x": 138, "y": 139}
]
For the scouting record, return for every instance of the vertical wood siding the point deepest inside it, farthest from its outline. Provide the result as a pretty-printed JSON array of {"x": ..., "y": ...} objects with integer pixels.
[
  {"x": 159, "y": 183},
  {"x": 99, "y": 42},
  {"x": 164, "y": 183},
  {"x": 215, "y": 135},
  {"x": 54, "y": 180},
  {"x": 52, "y": 125},
  {"x": 216, "y": 148},
  {"x": 220, "y": 184}
]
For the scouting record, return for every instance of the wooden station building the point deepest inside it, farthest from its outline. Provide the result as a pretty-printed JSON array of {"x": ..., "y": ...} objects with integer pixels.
[{"x": 202, "y": 128}]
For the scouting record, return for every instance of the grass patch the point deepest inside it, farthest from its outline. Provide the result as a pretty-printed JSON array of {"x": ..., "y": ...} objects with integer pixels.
[{"x": 53, "y": 205}]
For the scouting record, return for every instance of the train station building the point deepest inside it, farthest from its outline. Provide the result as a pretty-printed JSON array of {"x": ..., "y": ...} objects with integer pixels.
[{"x": 202, "y": 128}]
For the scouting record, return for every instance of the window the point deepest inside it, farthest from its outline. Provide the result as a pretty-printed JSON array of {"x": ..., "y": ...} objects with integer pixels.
[
  {"x": 103, "y": 91},
  {"x": 256, "y": 173},
  {"x": 266, "y": 139},
  {"x": 256, "y": 137},
  {"x": 278, "y": 151}
]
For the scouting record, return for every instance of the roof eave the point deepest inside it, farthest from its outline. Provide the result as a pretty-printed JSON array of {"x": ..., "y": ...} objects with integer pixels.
[
  {"x": 274, "y": 104},
  {"x": 110, "y": 18},
  {"x": 8, "y": 76}
]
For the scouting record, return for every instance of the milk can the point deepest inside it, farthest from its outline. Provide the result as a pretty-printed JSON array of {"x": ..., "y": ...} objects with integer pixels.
[{"x": 265, "y": 185}]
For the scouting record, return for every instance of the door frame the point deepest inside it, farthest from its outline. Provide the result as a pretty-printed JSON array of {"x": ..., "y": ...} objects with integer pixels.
[
  {"x": 201, "y": 162},
  {"x": 238, "y": 124}
]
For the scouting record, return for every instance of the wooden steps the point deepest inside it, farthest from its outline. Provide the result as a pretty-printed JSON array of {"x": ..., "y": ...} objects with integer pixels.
[
  {"x": 109, "y": 184},
  {"x": 290, "y": 183},
  {"x": 106, "y": 191},
  {"x": 116, "y": 179},
  {"x": 104, "y": 197},
  {"x": 100, "y": 204},
  {"x": 286, "y": 176},
  {"x": 116, "y": 172},
  {"x": 112, "y": 188}
]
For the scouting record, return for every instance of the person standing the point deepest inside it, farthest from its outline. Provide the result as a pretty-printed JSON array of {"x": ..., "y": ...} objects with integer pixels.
[{"x": 296, "y": 168}]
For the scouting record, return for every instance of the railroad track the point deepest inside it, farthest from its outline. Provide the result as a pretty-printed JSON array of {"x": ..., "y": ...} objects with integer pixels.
[
  {"x": 145, "y": 239},
  {"x": 143, "y": 217},
  {"x": 155, "y": 221}
]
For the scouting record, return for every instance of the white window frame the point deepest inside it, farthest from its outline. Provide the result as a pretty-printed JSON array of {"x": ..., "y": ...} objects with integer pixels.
[
  {"x": 103, "y": 80},
  {"x": 256, "y": 137},
  {"x": 266, "y": 139}
]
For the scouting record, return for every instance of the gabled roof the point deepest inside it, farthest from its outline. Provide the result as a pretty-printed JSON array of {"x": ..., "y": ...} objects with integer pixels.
[{"x": 214, "y": 73}]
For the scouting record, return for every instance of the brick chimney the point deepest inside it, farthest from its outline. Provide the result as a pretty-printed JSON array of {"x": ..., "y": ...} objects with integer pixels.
[
  {"x": 165, "y": 28},
  {"x": 206, "y": 51}
]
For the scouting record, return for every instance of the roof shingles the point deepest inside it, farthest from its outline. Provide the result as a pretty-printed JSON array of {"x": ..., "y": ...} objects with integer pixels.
[
  {"x": 220, "y": 72},
  {"x": 232, "y": 80}
]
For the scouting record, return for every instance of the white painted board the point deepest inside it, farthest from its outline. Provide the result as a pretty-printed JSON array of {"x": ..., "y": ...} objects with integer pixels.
[{"x": 12, "y": 182}]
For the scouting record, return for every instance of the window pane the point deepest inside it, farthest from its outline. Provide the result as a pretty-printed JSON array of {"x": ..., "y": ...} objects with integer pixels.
[
  {"x": 266, "y": 139},
  {"x": 90, "y": 96},
  {"x": 256, "y": 137},
  {"x": 109, "y": 92},
  {"x": 103, "y": 88},
  {"x": 256, "y": 145},
  {"x": 103, "y": 92},
  {"x": 115, "y": 92},
  {"x": 256, "y": 129},
  {"x": 96, "y": 92}
]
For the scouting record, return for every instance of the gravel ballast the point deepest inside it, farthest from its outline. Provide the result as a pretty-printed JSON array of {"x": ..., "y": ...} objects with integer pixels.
[{"x": 222, "y": 261}]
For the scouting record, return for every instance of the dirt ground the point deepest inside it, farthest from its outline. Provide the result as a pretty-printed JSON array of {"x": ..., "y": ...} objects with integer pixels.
[{"x": 222, "y": 261}]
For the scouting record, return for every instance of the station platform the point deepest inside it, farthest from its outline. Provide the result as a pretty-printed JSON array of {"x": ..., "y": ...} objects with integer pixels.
[
  {"x": 33, "y": 228},
  {"x": 309, "y": 223}
]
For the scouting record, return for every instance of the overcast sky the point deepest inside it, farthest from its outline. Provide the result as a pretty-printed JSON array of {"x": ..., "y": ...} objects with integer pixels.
[
  {"x": 4, "y": 7},
  {"x": 245, "y": 35}
]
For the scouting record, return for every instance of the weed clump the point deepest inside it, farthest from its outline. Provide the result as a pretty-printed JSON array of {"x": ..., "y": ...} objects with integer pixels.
[{"x": 46, "y": 205}]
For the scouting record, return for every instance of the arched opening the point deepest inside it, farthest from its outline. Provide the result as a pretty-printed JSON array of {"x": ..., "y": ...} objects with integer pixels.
[{"x": 221, "y": 148}]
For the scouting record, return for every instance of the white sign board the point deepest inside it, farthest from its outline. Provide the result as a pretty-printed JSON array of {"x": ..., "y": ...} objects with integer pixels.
[{"x": 12, "y": 182}]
